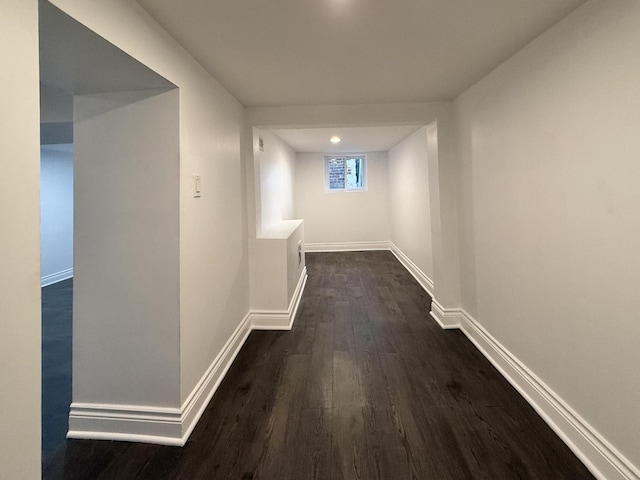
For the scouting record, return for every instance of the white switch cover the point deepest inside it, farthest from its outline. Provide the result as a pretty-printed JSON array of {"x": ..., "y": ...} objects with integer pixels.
[{"x": 197, "y": 186}]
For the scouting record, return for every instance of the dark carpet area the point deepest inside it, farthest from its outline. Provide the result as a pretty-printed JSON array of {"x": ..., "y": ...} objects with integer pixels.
[{"x": 56, "y": 365}]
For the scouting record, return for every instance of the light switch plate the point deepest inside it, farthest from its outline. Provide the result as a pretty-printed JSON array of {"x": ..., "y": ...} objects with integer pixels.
[{"x": 197, "y": 186}]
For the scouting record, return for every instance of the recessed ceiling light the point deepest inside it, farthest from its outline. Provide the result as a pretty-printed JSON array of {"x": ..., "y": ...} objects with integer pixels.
[{"x": 335, "y": 139}]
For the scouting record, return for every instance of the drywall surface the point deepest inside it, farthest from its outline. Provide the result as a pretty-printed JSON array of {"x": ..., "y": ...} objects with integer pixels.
[
  {"x": 276, "y": 233},
  {"x": 409, "y": 200},
  {"x": 20, "y": 337},
  {"x": 56, "y": 105},
  {"x": 276, "y": 266},
  {"x": 550, "y": 203},
  {"x": 273, "y": 273},
  {"x": 214, "y": 287},
  {"x": 295, "y": 260},
  {"x": 339, "y": 217},
  {"x": 346, "y": 115},
  {"x": 56, "y": 212},
  {"x": 269, "y": 274},
  {"x": 276, "y": 164},
  {"x": 126, "y": 290}
]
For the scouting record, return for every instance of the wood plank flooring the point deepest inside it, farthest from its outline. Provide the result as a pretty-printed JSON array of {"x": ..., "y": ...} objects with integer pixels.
[{"x": 365, "y": 386}]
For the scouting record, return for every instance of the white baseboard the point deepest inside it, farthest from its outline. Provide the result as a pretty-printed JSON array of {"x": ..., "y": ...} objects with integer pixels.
[
  {"x": 195, "y": 404},
  {"x": 599, "y": 456},
  {"x": 56, "y": 277},
  {"x": 173, "y": 426},
  {"x": 125, "y": 423},
  {"x": 280, "y": 319},
  {"x": 421, "y": 277},
  {"x": 163, "y": 426},
  {"x": 346, "y": 246},
  {"x": 447, "y": 318}
]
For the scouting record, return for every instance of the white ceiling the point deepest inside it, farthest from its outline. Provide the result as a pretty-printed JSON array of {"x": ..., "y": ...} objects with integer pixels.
[
  {"x": 75, "y": 60},
  {"x": 313, "y": 52},
  {"x": 354, "y": 139},
  {"x": 78, "y": 61}
]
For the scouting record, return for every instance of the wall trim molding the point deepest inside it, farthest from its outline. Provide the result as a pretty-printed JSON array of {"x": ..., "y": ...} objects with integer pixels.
[
  {"x": 422, "y": 278},
  {"x": 447, "y": 318},
  {"x": 347, "y": 246},
  {"x": 598, "y": 455},
  {"x": 197, "y": 401},
  {"x": 173, "y": 426},
  {"x": 162, "y": 426},
  {"x": 130, "y": 423},
  {"x": 56, "y": 277},
  {"x": 280, "y": 319}
]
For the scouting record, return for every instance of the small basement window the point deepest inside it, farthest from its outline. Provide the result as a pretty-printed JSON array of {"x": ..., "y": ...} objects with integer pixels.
[{"x": 345, "y": 173}]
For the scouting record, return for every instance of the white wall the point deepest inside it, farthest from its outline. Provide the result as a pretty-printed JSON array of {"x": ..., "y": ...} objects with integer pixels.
[
  {"x": 56, "y": 212},
  {"x": 273, "y": 276},
  {"x": 550, "y": 210},
  {"x": 214, "y": 288},
  {"x": 20, "y": 340},
  {"x": 295, "y": 260},
  {"x": 409, "y": 200},
  {"x": 340, "y": 217},
  {"x": 275, "y": 269},
  {"x": 277, "y": 188},
  {"x": 126, "y": 288}
]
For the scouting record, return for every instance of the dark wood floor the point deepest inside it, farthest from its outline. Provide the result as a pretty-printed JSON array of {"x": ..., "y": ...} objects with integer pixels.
[{"x": 365, "y": 386}]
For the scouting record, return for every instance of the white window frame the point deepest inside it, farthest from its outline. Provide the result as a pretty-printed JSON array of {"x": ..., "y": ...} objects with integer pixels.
[{"x": 364, "y": 173}]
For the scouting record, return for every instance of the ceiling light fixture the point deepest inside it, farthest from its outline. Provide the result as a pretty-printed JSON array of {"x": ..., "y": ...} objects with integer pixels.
[{"x": 335, "y": 139}]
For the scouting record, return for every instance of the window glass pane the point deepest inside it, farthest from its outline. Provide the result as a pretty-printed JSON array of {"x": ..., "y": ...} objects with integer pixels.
[
  {"x": 336, "y": 173},
  {"x": 353, "y": 173},
  {"x": 345, "y": 173}
]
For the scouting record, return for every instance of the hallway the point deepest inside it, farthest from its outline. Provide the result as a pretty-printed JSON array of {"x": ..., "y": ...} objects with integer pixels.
[{"x": 365, "y": 386}]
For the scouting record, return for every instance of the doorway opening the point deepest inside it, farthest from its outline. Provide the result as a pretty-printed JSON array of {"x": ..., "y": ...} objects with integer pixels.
[{"x": 91, "y": 92}]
